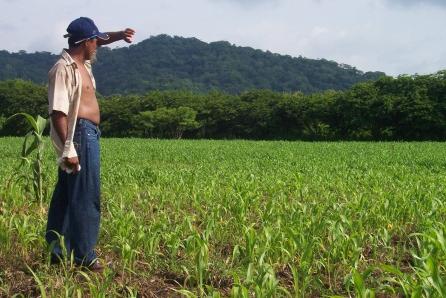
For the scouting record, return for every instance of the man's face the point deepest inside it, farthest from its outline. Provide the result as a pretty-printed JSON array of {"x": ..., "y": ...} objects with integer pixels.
[{"x": 91, "y": 46}]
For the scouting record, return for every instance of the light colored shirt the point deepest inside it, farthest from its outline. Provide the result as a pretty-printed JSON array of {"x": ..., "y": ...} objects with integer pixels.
[{"x": 64, "y": 95}]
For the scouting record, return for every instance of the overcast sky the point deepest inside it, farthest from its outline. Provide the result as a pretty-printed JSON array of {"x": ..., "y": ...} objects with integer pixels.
[{"x": 394, "y": 36}]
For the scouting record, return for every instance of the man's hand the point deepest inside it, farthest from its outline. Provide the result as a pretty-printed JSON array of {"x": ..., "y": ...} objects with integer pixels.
[
  {"x": 127, "y": 35},
  {"x": 72, "y": 163}
]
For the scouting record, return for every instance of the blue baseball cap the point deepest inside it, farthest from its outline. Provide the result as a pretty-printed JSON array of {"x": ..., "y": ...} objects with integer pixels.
[{"x": 82, "y": 29}]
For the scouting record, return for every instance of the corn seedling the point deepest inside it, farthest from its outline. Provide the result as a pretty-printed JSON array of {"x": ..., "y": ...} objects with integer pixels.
[
  {"x": 244, "y": 219},
  {"x": 33, "y": 141}
]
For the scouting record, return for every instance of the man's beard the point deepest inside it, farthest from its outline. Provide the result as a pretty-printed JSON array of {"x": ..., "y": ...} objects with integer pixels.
[{"x": 93, "y": 57}]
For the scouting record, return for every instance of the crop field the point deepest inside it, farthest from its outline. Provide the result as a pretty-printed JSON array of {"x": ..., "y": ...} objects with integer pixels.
[{"x": 242, "y": 219}]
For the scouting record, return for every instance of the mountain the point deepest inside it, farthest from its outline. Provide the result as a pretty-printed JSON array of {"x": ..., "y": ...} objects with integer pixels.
[{"x": 165, "y": 63}]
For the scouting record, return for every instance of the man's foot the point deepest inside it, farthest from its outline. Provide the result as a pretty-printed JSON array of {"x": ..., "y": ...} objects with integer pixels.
[
  {"x": 95, "y": 267},
  {"x": 55, "y": 259}
]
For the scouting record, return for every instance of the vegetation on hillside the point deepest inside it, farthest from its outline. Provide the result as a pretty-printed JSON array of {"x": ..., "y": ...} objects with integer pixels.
[{"x": 174, "y": 63}]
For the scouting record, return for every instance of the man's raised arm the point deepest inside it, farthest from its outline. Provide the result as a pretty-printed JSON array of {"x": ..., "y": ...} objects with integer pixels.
[{"x": 126, "y": 35}]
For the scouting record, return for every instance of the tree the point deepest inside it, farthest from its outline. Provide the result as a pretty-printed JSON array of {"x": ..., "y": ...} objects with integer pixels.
[
  {"x": 21, "y": 96},
  {"x": 170, "y": 122}
]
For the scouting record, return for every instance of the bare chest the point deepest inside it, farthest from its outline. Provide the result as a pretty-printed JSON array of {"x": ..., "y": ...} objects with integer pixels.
[{"x": 87, "y": 83}]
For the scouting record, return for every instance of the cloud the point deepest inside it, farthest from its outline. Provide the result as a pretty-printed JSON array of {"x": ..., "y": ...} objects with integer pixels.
[
  {"x": 369, "y": 34},
  {"x": 7, "y": 26},
  {"x": 254, "y": 2},
  {"x": 411, "y": 3},
  {"x": 250, "y": 3}
]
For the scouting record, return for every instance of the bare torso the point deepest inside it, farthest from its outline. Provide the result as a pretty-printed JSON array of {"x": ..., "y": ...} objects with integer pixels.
[{"x": 88, "y": 107}]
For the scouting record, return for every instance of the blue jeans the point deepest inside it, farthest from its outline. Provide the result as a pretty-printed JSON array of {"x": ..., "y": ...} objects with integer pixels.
[{"x": 75, "y": 206}]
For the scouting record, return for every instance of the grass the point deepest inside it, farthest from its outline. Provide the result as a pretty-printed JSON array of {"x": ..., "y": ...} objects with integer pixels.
[{"x": 243, "y": 218}]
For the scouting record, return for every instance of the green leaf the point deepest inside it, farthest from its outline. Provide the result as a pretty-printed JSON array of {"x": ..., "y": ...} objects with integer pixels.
[
  {"x": 41, "y": 124},
  {"x": 358, "y": 281},
  {"x": 250, "y": 272},
  {"x": 391, "y": 269},
  {"x": 32, "y": 147},
  {"x": 441, "y": 240},
  {"x": 186, "y": 293},
  {"x": 25, "y": 144},
  {"x": 38, "y": 281},
  {"x": 28, "y": 117}
]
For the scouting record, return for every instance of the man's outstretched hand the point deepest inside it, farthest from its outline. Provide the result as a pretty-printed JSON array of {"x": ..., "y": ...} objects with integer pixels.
[{"x": 127, "y": 35}]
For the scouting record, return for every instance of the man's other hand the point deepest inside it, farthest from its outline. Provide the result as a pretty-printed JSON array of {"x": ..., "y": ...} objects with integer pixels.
[
  {"x": 127, "y": 35},
  {"x": 72, "y": 163}
]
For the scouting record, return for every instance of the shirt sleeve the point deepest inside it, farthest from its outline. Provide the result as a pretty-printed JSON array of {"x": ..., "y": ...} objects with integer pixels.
[
  {"x": 69, "y": 150},
  {"x": 58, "y": 99}
]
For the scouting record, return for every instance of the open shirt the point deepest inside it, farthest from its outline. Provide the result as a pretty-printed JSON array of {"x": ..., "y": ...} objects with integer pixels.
[{"x": 64, "y": 94}]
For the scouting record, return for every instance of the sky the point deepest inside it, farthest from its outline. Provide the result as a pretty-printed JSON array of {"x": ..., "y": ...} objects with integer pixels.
[{"x": 394, "y": 36}]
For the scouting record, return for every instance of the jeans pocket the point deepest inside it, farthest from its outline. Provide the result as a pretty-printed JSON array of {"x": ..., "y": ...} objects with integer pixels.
[{"x": 92, "y": 133}]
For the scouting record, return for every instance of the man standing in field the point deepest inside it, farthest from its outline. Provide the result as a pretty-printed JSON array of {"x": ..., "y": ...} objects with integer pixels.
[{"x": 74, "y": 211}]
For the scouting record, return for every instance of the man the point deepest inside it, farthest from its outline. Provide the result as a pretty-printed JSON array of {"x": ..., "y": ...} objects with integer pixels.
[{"x": 74, "y": 211}]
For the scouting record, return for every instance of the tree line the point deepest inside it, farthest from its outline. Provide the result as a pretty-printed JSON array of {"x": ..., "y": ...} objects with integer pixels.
[{"x": 402, "y": 108}]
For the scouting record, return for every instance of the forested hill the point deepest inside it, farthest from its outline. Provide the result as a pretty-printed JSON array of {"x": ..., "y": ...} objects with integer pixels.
[{"x": 166, "y": 63}]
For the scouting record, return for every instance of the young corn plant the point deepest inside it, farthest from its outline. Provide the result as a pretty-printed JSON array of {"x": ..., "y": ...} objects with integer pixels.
[
  {"x": 198, "y": 245},
  {"x": 239, "y": 290},
  {"x": 358, "y": 281},
  {"x": 33, "y": 142},
  {"x": 428, "y": 275},
  {"x": 430, "y": 269},
  {"x": 38, "y": 282}
]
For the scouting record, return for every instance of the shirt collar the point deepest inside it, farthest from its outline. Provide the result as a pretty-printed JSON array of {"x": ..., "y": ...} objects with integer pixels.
[
  {"x": 67, "y": 57},
  {"x": 70, "y": 61}
]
